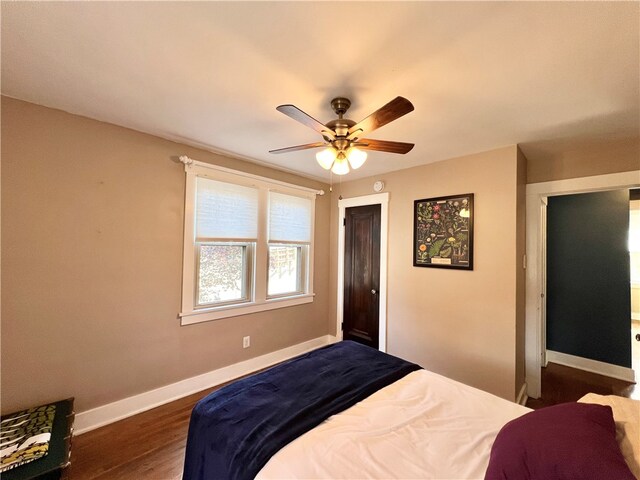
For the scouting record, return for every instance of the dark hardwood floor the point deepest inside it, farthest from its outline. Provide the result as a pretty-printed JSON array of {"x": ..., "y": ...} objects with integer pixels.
[
  {"x": 151, "y": 445},
  {"x": 562, "y": 384}
]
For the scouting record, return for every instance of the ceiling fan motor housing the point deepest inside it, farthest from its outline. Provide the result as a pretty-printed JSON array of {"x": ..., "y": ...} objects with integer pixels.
[{"x": 340, "y": 125}]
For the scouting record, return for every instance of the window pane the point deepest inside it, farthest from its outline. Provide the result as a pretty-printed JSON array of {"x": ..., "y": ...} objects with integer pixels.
[
  {"x": 284, "y": 271},
  {"x": 222, "y": 273}
]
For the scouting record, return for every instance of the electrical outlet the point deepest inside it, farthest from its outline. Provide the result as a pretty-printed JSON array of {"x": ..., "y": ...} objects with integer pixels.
[{"x": 246, "y": 342}]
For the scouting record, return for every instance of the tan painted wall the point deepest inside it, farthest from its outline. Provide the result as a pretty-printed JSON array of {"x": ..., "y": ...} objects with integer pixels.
[
  {"x": 92, "y": 218},
  {"x": 562, "y": 159},
  {"x": 91, "y": 257},
  {"x": 461, "y": 324}
]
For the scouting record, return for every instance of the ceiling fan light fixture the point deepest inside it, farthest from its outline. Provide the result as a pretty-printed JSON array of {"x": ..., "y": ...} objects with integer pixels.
[
  {"x": 341, "y": 165},
  {"x": 341, "y": 135},
  {"x": 356, "y": 157},
  {"x": 326, "y": 157}
]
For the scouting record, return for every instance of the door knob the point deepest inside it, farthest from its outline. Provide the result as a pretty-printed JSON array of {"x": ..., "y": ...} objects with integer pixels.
[
  {"x": 638, "y": 337},
  {"x": 373, "y": 291}
]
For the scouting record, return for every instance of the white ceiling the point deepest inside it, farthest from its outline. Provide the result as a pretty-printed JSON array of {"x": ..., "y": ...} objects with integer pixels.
[{"x": 481, "y": 75}]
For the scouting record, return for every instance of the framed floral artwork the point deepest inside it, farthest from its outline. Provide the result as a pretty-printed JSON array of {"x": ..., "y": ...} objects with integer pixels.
[{"x": 443, "y": 232}]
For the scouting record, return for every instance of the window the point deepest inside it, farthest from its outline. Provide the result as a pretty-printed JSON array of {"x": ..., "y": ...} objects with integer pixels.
[
  {"x": 226, "y": 231},
  {"x": 224, "y": 273},
  {"x": 289, "y": 240},
  {"x": 285, "y": 270},
  {"x": 248, "y": 244}
]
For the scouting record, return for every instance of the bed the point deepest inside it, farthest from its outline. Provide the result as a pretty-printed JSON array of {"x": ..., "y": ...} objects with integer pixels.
[{"x": 349, "y": 411}]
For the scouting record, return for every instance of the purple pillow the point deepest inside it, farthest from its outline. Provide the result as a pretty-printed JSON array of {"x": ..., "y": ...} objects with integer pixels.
[{"x": 570, "y": 441}]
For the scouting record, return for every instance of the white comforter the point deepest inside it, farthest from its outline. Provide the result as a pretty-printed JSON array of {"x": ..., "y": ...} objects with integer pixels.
[{"x": 422, "y": 426}]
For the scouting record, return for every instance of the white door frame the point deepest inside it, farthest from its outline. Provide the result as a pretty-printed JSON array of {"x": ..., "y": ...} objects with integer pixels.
[
  {"x": 381, "y": 199},
  {"x": 537, "y": 194}
]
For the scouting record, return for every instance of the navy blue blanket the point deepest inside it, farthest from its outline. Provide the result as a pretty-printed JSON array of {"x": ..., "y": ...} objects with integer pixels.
[{"x": 234, "y": 431}]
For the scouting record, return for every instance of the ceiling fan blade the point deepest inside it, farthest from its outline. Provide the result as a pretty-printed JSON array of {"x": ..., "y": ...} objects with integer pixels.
[
  {"x": 383, "y": 145},
  {"x": 302, "y": 117},
  {"x": 393, "y": 110},
  {"x": 306, "y": 146}
]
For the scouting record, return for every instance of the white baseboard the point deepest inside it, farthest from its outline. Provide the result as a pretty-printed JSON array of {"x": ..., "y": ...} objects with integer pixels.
[
  {"x": 593, "y": 366},
  {"x": 522, "y": 397},
  {"x": 112, "y": 412}
]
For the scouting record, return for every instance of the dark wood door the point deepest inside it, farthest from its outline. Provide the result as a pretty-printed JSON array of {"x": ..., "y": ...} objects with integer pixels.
[{"x": 362, "y": 275}]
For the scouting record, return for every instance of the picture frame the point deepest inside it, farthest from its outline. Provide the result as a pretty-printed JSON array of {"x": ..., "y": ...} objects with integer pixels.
[{"x": 443, "y": 232}]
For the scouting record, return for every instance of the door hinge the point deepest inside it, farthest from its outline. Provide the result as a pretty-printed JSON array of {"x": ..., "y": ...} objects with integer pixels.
[
  {"x": 342, "y": 326},
  {"x": 344, "y": 222}
]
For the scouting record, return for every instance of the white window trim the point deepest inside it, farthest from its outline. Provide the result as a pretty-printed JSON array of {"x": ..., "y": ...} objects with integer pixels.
[{"x": 189, "y": 314}]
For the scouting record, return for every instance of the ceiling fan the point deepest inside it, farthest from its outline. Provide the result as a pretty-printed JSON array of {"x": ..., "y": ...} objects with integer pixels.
[{"x": 343, "y": 138}]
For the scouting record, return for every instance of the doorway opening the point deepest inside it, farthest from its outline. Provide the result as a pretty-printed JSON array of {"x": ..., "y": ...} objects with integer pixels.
[
  {"x": 381, "y": 199},
  {"x": 634, "y": 258},
  {"x": 361, "y": 275},
  {"x": 537, "y": 195},
  {"x": 587, "y": 299}
]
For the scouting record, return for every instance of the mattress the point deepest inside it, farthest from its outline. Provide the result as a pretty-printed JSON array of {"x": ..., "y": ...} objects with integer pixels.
[{"x": 422, "y": 426}]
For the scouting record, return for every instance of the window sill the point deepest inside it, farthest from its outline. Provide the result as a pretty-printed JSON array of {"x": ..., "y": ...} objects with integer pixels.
[{"x": 216, "y": 313}]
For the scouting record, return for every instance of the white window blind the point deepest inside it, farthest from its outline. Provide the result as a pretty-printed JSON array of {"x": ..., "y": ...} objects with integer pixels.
[
  {"x": 225, "y": 210},
  {"x": 289, "y": 218}
]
